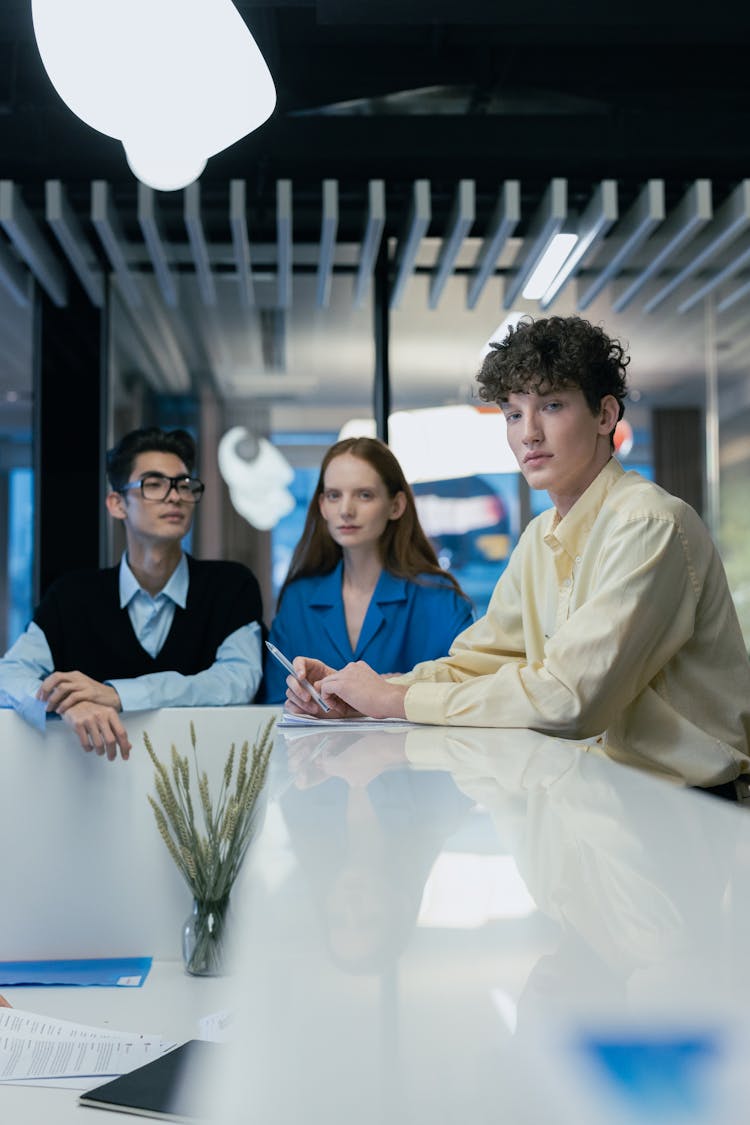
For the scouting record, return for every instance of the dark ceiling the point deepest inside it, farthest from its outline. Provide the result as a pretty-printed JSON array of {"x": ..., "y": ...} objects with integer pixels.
[{"x": 399, "y": 89}]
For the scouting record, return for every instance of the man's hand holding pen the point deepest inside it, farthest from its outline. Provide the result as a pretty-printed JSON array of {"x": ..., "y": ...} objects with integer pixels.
[{"x": 353, "y": 691}]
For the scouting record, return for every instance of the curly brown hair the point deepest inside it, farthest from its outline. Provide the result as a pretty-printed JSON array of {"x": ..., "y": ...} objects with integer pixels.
[{"x": 547, "y": 355}]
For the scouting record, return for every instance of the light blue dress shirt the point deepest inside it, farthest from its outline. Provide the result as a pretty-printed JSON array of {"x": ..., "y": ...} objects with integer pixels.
[
  {"x": 238, "y": 659},
  {"x": 405, "y": 620}
]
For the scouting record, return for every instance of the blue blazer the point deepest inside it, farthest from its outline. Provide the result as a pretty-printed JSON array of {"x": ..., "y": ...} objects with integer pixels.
[{"x": 406, "y": 622}]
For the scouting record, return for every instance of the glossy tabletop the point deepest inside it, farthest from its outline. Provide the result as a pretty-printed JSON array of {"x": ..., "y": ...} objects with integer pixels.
[
  {"x": 433, "y": 925},
  {"x": 451, "y": 925}
]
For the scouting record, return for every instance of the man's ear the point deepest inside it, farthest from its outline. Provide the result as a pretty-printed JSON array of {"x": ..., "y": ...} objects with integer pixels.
[
  {"x": 609, "y": 414},
  {"x": 115, "y": 502}
]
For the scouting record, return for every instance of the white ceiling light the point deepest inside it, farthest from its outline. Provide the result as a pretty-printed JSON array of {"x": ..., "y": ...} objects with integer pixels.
[
  {"x": 549, "y": 266},
  {"x": 175, "y": 80}
]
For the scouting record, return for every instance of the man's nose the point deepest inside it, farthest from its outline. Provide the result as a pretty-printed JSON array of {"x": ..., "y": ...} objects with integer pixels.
[{"x": 531, "y": 433}]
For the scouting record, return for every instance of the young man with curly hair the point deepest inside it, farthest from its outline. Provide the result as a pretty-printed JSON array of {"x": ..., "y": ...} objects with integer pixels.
[{"x": 613, "y": 618}]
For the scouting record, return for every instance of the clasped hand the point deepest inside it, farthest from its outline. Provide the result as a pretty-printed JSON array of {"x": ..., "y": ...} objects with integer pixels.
[
  {"x": 351, "y": 692},
  {"x": 90, "y": 708}
]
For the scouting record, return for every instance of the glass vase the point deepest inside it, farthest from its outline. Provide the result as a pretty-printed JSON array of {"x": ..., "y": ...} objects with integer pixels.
[{"x": 203, "y": 937}]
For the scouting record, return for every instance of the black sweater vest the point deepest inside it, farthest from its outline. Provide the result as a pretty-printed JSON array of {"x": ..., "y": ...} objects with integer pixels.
[{"x": 87, "y": 631}]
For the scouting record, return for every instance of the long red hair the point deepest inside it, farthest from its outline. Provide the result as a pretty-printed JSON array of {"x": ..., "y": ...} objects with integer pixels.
[{"x": 405, "y": 550}]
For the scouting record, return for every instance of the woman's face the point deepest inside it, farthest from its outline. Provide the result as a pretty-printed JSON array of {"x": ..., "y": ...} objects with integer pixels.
[{"x": 355, "y": 503}]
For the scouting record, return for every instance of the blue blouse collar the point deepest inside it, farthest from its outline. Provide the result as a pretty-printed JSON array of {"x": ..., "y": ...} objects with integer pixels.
[{"x": 327, "y": 589}]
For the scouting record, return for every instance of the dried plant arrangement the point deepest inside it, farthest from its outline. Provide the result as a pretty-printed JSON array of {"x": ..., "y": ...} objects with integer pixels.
[{"x": 208, "y": 838}]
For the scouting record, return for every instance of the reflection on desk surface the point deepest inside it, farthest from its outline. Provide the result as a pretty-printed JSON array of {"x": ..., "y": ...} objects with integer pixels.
[{"x": 422, "y": 905}]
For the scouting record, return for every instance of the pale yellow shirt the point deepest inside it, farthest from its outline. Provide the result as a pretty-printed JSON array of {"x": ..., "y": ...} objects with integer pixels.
[{"x": 615, "y": 620}]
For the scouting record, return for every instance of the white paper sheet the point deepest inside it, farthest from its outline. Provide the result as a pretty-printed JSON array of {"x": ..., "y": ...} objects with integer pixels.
[{"x": 40, "y": 1050}]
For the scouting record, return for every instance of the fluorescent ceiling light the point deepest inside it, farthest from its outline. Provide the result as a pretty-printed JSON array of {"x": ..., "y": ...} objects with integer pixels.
[
  {"x": 176, "y": 81},
  {"x": 594, "y": 223},
  {"x": 549, "y": 266},
  {"x": 549, "y": 219}
]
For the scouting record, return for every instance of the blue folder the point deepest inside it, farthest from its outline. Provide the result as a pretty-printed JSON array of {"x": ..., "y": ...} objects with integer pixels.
[{"x": 112, "y": 972}]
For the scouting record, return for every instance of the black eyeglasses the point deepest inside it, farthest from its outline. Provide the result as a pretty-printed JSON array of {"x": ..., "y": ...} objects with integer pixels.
[{"x": 157, "y": 486}]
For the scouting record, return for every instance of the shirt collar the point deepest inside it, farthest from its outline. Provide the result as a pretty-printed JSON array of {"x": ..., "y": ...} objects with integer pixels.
[
  {"x": 573, "y": 529},
  {"x": 176, "y": 588}
]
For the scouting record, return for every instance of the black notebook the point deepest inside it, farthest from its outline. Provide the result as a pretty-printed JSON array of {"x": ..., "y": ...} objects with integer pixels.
[{"x": 160, "y": 1088}]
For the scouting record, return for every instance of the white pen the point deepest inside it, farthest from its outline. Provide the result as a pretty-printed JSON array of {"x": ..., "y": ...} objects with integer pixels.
[{"x": 300, "y": 679}]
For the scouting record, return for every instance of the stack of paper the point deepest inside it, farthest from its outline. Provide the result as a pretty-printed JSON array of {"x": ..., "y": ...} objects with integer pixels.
[{"x": 38, "y": 1050}]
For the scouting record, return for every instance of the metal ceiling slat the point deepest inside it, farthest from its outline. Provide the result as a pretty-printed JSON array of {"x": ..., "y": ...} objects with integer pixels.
[
  {"x": 546, "y": 223},
  {"x": 198, "y": 245},
  {"x": 737, "y": 263},
  {"x": 730, "y": 221},
  {"x": 106, "y": 223},
  {"x": 371, "y": 239},
  {"x": 415, "y": 227},
  {"x": 460, "y": 223},
  {"x": 164, "y": 345},
  {"x": 68, "y": 231},
  {"x": 505, "y": 219},
  {"x": 23, "y": 231},
  {"x": 595, "y": 222},
  {"x": 283, "y": 244},
  {"x": 329, "y": 224},
  {"x": 149, "y": 222},
  {"x": 241, "y": 241},
  {"x": 141, "y": 346},
  {"x": 14, "y": 278},
  {"x": 732, "y": 298},
  {"x": 629, "y": 234},
  {"x": 689, "y": 217}
]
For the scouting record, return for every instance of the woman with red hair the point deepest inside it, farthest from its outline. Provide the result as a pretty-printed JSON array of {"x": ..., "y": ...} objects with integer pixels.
[{"x": 364, "y": 582}]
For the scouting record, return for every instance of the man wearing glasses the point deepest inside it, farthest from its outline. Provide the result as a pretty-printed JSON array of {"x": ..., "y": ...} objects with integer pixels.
[{"x": 162, "y": 629}]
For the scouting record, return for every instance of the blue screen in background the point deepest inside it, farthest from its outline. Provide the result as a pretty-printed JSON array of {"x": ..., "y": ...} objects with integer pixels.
[{"x": 20, "y": 551}]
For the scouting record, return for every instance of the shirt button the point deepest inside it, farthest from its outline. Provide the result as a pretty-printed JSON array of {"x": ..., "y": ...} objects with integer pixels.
[
  {"x": 578, "y": 559},
  {"x": 566, "y": 582}
]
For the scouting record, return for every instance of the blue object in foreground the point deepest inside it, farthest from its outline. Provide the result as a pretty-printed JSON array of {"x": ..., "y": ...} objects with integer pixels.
[
  {"x": 112, "y": 972},
  {"x": 659, "y": 1077}
]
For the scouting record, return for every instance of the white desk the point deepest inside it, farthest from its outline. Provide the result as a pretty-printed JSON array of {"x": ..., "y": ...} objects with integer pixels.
[
  {"x": 425, "y": 907},
  {"x": 84, "y": 871},
  {"x": 170, "y": 1003},
  {"x": 418, "y": 909}
]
